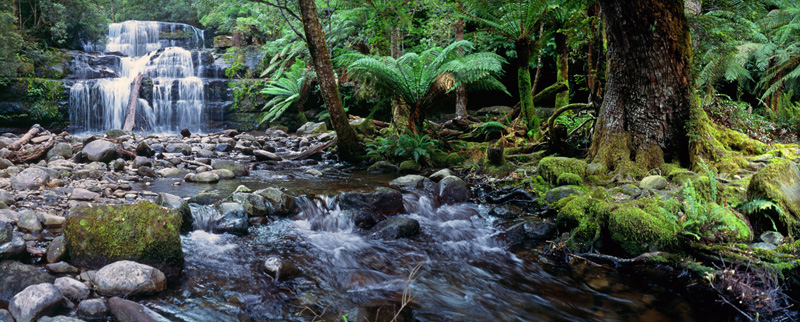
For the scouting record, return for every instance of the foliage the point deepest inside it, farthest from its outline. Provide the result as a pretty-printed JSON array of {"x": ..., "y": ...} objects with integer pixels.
[
  {"x": 703, "y": 219},
  {"x": 402, "y": 147},
  {"x": 286, "y": 91},
  {"x": 758, "y": 205}
]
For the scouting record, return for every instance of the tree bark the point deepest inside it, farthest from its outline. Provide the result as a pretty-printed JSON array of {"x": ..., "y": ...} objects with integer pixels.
[
  {"x": 133, "y": 100},
  {"x": 461, "y": 92},
  {"x": 562, "y": 98},
  {"x": 348, "y": 147},
  {"x": 34, "y": 130},
  {"x": 643, "y": 118},
  {"x": 524, "y": 50}
]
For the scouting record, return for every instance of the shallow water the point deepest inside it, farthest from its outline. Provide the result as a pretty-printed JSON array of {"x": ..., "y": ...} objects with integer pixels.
[{"x": 462, "y": 270}]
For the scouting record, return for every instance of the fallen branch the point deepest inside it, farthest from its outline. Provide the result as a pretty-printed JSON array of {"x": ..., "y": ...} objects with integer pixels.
[
  {"x": 576, "y": 106},
  {"x": 32, "y": 154},
  {"x": 133, "y": 100},
  {"x": 196, "y": 163},
  {"x": 125, "y": 153},
  {"x": 312, "y": 151},
  {"x": 25, "y": 138}
]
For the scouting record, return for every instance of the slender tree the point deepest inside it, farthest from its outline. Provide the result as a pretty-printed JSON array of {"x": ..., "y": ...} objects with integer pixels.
[
  {"x": 647, "y": 103},
  {"x": 347, "y": 146}
]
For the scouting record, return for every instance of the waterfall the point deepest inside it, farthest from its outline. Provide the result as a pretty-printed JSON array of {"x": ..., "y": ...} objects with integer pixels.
[{"x": 173, "y": 97}]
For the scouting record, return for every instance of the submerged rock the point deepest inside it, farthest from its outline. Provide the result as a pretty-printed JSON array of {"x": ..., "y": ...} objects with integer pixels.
[
  {"x": 396, "y": 227},
  {"x": 384, "y": 201},
  {"x": 97, "y": 235},
  {"x": 126, "y": 278},
  {"x": 232, "y": 219},
  {"x": 453, "y": 190},
  {"x": 129, "y": 311}
]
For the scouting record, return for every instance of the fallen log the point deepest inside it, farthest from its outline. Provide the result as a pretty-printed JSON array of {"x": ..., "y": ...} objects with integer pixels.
[
  {"x": 25, "y": 138},
  {"x": 34, "y": 153},
  {"x": 125, "y": 153},
  {"x": 307, "y": 153},
  {"x": 196, "y": 163},
  {"x": 133, "y": 100}
]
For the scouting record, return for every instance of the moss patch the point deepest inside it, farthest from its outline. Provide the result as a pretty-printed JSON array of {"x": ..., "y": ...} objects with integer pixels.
[
  {"x": 779, "y": 182},
  {"x": 97, "y": 235},
  {"x": 637, "y": 231},
  {"x": 550, "y": 168},
  {"x": 585, "y": 217}
]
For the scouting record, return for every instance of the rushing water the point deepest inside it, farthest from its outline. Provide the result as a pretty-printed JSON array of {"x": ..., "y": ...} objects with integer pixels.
[
  {"x": 99, "y": 99},
  {"x": 460, "y": 268}
]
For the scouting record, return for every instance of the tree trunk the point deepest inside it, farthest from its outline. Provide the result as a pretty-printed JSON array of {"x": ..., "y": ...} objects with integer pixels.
[
  {"x": 396, "y": 42},
  {"x": 562, "y": 98},
  {"x": 400, "y": 115},
  {"x": 461, "y": 92},
  {"x": 347, "y": 146},
  {"x": 643, "y": 118},
  {"x": 524, "y": 50},
  {"x": 133, "y": 100}
]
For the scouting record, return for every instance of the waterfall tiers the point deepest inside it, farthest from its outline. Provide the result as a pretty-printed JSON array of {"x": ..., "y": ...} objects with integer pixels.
[{"x": 173, "y": 96}]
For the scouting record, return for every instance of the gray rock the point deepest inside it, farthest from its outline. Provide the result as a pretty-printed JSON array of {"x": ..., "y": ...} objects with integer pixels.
[
  {"x": 277, "y": 202},
  {"x": 97, "y": 166},
  {"x": 83, "y": 195},
  {"x": 453, "y": 190},
  {"x": 93, "y": 308},
  {"x": 314, "y": 172},
  {"x": 125, "y": 278},
  {"x": 60, "y": 318},
  {"x": 262, "y": 155},
  {"x": 253, "y": 204},
  {"x": 173, "y": 172},
  {"x": 206, "y": 177},
  {"x": 118, "y": 165},
  {"x": 5, "y": 164},
  {"x": 441, "y": 174},
  {"x": 178, "y": 205},
  {"x": 72, "y": 288},
  {"x": 766, "y": 246},
  {"x": 630, "y": 190},
  {"x": 5, "y": 316},
  {"x": 597, "y": 169},
  {"x": 238, "y": 168},
  {"x": 506, "y": 211},
  {"x": 653, "y": 183},
  {"x": 558, "y": 193},
  {"x": 30, "y": 221},
  {"x": 7, "y": 198},
  {"x": 15, "y": 276},
  {"x": 29, "y": 179},
  {"x": 128, "y": 311},
  {"x": 35, "y": 301},
  {"x": 384, "y": 200},
  {"x": 53, "y": 220},
  {"x": 224, "y": 174},
  {"x": 115, "y": 133},
  {"x": 142, "y": 161},
  {"x": 62, "y": 268},
  {"x": 144, "y": 150},
  {"x": 14, "y": 248},
  {"x": 772, "y": 237},
  {"x": 100, "y": 151},
  {"x": 414, "y": 182},
  {"x": 205, "y": 198},
  {"x": 146, "y": 171},
  {"x": 56, "y": 249},
  {"x": 312, "y": 128},
  {"x": 203, "y": 153},
  {"x": 223, "y": 147},
  {"x": 232, "y": 219},
  {"x": 60, "y": 150},
  {"x": 183, "y": 148},
  {"x": 396, "y": 227},
  {"x": 6, "y": 232}
]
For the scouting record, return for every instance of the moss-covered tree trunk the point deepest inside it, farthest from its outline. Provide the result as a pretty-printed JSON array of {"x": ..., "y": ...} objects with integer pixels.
[
  {"x": 562, "y": 98},
  {"x": 643, "y": 118},
  {"x": 347, "y": 145},
  {"x": 524, "y": 48},
  {"x": 461, "y": 91}
]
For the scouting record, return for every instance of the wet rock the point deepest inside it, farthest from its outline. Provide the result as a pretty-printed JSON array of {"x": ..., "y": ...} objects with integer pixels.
[
  {"x": 314, "y": 172},
  {"x": 653, "y": 183},
  {"x": 83, "y": 195},
  {"x": 59, "y": 318},
  {"x": 182, "y": 148},
  {"x": 63, "y": 150},
  {"x": 146, "y": 171},
  {"x": 253, "y": 204},
  {"x": 56, "y": 249},
  {"x": 383, "y": 167},
  {"x": 441, "y": 174},
  {"x": 205, "y": 198},
  {"x": 262, "y": 155},
  {"x": 772, "y": 237},
  {"x": 5, "y": 316},
  {"x": 35, "y": 301},
  {"x": 115, "y": 134},
  {"x": 72, "y": 288},
  {"x": 178, "y": 205},
  {"x": 126, "y": 278},
  {"x": 128, "y": 311},
  {"x": 762, "y": 245},
  {"x": 409, "y": 166},
  {"x": 384, "y": 200},
  {"x": 396, "y": 227},
  {"x": 224, "y": 174},
  {"x": 13, "y": 248},
  {"x": 141, "y": 161},
  {"x": 144, "y": 150},
  {"x": 558, "y": 193},
  {"x": 277, "y": 202},
  {"x": 238, "y": 168},
  {"x": 100, "y": 151},
  {"x": 223, "y": 148},
  {"x": 30, "y": 221},
  {"x": 312, "y": 128},
  {"x": 279, "y": 269},
  {"x": 232, "y": 220},
  {"x": 15, "y": 276},
  {"x": 173, "y": 172},
  {"x": 206, "y": 177},
  {"x": 453, "y": 190},
  {"x": 414, "y": 183},
  {"x": 97, "y": 235},
  {"x": 62, "y": 268},
  {"x": 30, "y": 179},
  {"x": 506, "y": 212},
  {"x": 186, "y": 133},
  {"x": 93, "y": 308}
]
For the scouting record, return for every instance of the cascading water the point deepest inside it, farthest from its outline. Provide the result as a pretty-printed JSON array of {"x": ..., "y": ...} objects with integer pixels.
[{"x": 172, "y": 95}]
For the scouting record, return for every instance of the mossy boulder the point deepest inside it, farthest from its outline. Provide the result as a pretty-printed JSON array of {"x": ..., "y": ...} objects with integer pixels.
[
  {"x": 585, "y": 218},
  {"x": 734, "y": 227},
  {"x": 569, "y": 179},
  {"x": 97, "y": 235},
  {"x": 780, "y": 183},
  {"x": 637, "y": 231},
  {"x": 550, "y": 168},
  {"x": 409, "y": 166}
]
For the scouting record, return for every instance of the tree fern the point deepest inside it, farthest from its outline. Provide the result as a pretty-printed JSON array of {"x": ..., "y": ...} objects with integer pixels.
[{"x": 286, "y": 91}]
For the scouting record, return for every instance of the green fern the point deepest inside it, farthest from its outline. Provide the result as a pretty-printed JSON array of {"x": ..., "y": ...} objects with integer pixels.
[
  {"x": 758, "y": 205},
  {"x": 286, "y": 91}
]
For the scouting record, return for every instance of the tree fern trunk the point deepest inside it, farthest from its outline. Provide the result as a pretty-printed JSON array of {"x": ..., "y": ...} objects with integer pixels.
[
  {"x": 562, "y": 98},
  {"x": 461, "y": 92},
  {"x": 524, "y": 50},
  {"x": 347, "y": 145}
]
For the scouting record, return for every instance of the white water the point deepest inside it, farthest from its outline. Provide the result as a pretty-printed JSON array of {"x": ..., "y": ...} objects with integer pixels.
[{"x": 177, "y": 92}]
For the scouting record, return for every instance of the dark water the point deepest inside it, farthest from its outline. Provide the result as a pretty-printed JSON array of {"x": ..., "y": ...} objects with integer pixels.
[{"x": 460, "y": 270}]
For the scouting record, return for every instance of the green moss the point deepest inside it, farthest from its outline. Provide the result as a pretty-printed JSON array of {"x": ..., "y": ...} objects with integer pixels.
[
  {"x": 786, "y": 151},
  {"x": 778, "y": 182},
  {"x": 734, "y": 226},
  {"x": 446, "y": 160},
  {"x": 722, "y": 148},
  {"x": 569, "y": 179},
  {"x": 97, "y": 235},
  {"x": 586, "y": 219},
  {"x": 637, "y": 231},
  {"x": 550, "y": 168},
  {"x": 409, "y": 166}
]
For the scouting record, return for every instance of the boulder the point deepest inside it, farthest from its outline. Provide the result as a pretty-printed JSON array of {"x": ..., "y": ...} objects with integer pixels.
[
  {"x": 238, "y": 168},
  {"x": 15, "y": 276},
  {"x": 72, "y": 288},
  {"x": 56, "y": 249},
  {"x": 59, "y": 318},
  {"x": 224, "y": 174},
  {"x": 30, "y": 221},
  {"x": 115, "y": 133},
  {"x": 383, "y": 167},
  {"x": 5, "y": 316},
  {"x": 396, "y": 227},
  {"x": 550, "y": 168},
  {"x": 312, "y": 128},
  {"x": 63, "y": 150},
  {"x": 178, "y": 205},
  {"x": 93, "y": 308},
  {"x": 172, "y": 172},
  {"x": 35, "y": 301},
  {"x": 253, "y": 204},
  {"x": 779, "y": 182},
  {"x": 409, "y": 166},
  {"x": 277, "y": 202},
  {"x": 206, "y": 177},
  {"x": 453, "y": 190},
  {"x": 554, "y": 195},
  {"x": 100, "y": 151},
  {"x": 232, "y": 219},
  {"x": 128, "y": 311},
  {"x": 83, "y": 195},
  {"x": 182, "y": 148},
  {"x": 441, "y": 174},
  {"x": 7, "y": 198},
  {"x": 144, "y": 150},
  {"x": 262, "y": 155},
  {"x": 126, "y": 278},
  {"x": 30, "y": 179},
  {"x": 384, "y": 200},
  {"x": 414, "y": 182},
  {"x": 62, "y": 268},
  {"x": 146, "y": 171},
  {"x": 205, "y": 198},
  {"x": 140, "y": 161},
  {"x": 97, "y": 235},
  {"x": 15, "y": 247},
  {"x": 653, "y": 183}
]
